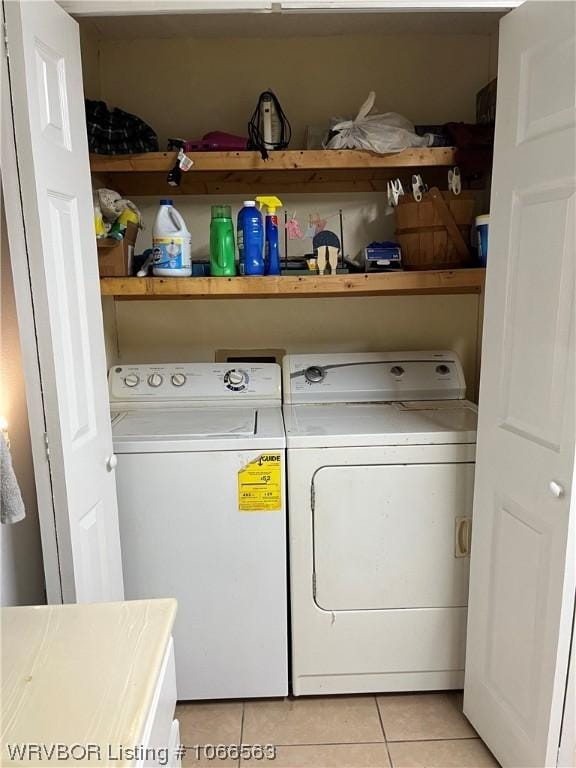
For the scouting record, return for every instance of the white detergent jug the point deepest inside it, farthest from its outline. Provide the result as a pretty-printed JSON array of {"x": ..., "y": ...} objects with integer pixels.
[{"x": 171, "y": 243}]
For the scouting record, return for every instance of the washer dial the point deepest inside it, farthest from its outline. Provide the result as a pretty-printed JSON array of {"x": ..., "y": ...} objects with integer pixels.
[
  {"x": 236, "y": 380},
  {"x": 155, "y": 380},
  {"x": 132, "y": 380},
  {"x": 178, "y": 379}
]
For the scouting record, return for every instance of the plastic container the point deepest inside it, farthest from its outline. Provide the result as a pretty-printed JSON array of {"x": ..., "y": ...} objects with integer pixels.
[
  {"x": 171, "y": 243},
  {"x": 481, "y": 227},
  {"x": 222, "y": 250},
  {"x": 250, "y": 240},
  {"x": 272, "y": 249}
]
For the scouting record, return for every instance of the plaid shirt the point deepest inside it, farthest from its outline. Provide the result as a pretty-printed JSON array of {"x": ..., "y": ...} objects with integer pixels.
[{"x": 115, "y": 132}]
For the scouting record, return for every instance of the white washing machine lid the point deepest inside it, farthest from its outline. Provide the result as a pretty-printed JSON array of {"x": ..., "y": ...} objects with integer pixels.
[
  {"x": 422, "y": 422},
  {"x": 197, "y": 429}
]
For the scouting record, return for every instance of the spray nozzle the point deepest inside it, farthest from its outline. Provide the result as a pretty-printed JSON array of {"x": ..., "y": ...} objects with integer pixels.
[{"x": 270, "y": 202}]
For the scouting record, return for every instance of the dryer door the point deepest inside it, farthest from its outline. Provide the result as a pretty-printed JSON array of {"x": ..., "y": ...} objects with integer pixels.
[{"x": 392, "y": 536}]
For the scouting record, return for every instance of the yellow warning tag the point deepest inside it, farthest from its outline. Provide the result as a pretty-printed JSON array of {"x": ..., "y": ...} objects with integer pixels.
[{"x": 260, "y": 484}]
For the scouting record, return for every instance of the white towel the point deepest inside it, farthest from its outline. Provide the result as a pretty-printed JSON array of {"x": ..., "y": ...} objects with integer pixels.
[{"x": 11, "y": 504}]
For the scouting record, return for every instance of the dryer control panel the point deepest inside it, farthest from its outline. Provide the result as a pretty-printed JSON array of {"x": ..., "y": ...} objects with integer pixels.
[
  {"x": 194, "y": 382},
  {"x": 373, "y": 377}
]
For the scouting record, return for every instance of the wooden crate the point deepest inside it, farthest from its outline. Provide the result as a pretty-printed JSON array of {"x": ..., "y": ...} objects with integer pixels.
[
  {"x": 435, "y": 234},
  {"x": 115, "y": 256}
]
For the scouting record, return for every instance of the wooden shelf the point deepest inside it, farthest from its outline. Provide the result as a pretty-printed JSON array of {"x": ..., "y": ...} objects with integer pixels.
[
  {"x": 285, "y": 171},
  {"x": 381, "y": 284}
]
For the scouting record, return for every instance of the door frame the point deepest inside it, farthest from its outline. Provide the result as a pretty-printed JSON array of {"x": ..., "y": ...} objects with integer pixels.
[
  {"x": 148, "y": 7},
  {"x": 11, "y": 202},
  {"x": 567, "y": 747}
]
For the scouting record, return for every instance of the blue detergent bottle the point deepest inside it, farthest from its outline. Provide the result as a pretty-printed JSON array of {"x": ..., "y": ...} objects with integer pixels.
[
  {"x": 250, "y": 240},
  {"x": 272, "y": 251}
]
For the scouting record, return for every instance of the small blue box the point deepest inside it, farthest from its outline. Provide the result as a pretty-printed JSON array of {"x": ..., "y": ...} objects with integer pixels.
[{"x": 382, "y": 256}]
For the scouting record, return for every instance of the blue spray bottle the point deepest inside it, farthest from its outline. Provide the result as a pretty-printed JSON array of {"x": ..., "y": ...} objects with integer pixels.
[{"x": 272, "y": 256}]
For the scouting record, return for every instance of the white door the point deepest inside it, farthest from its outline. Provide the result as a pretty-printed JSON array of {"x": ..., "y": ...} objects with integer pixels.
[
  {"x": 56, "y": 205},
  {"x": 523, "y": 547}
]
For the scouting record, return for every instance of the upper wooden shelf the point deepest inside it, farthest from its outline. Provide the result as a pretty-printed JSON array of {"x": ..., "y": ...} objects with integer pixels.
[
  {"x": 302, "y": 286},
  {"x": 324, "y": 171}
]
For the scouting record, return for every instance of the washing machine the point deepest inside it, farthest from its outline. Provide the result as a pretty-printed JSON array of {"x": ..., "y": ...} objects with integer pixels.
[
  {"x": 201, "y": 496},
  {"x": 380, "y": 454}
]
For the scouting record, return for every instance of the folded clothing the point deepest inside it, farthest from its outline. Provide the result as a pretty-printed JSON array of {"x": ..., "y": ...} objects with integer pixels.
[{"x": 115, "y": 132}]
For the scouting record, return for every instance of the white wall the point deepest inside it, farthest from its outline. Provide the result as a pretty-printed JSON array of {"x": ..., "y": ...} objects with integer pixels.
[{"x": 21, "y": 569}]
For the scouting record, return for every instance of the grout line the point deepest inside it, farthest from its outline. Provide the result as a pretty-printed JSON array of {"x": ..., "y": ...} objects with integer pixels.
[
  {"x": 383, "y": 731},
  {"x": 452, "y": 738},
  {"x": 366, "y": 743},
  {"x": 333, "y": 744}
]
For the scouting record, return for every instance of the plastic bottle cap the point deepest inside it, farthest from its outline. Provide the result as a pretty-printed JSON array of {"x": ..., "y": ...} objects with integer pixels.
[
  {"x": 249, "y": 203},
  {"x": 166, "y": 202}
]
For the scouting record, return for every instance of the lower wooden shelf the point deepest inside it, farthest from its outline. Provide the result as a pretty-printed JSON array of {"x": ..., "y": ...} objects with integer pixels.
[{"x": 385, "y": 283}]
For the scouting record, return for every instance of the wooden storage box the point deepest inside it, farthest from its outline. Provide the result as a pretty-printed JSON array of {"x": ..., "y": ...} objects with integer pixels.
[
  {"x": 435, "y": 232},
  {"x": 115, "y": 257}
]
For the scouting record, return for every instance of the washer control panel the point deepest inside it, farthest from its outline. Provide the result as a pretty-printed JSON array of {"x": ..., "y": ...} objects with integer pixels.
[{"x": 180, "y": 382}]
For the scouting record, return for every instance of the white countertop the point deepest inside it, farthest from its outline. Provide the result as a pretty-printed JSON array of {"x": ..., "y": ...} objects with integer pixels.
[{"x": 80, "y": 674}]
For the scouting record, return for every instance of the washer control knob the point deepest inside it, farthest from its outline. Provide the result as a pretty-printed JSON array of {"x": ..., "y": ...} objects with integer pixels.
[
  {"x": 132, "y": 380},
  {"x": 443, "y": 370},
  {"x": 155, "y": 380},
  {"x": 397, "y": 370},
  {"x": 314, "y": 374},
  {"x": 178, "y": 379},
  {"x": 236, "y": 379}
]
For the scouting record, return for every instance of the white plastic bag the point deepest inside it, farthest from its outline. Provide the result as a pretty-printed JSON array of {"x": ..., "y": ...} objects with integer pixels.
[{"x": 389, "y": 132}]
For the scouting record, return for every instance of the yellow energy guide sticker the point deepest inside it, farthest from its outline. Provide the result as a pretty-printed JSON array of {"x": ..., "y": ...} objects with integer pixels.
[{"x": 260, "y": 484}]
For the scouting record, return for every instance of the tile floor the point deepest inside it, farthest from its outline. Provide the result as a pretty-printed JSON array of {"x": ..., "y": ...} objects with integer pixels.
[{"x": 391, "y": 731}]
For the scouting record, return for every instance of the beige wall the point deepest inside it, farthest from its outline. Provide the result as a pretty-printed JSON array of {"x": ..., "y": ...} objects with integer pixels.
[
  {"x": 364, "y": 218},
  {"x": 21, "y": 574},
  {"x": 185, "y": 87},
  {"x": 493, "y": 67},
  {"x": 173, "y": 331},
  {"x": 90, "y": 48}
]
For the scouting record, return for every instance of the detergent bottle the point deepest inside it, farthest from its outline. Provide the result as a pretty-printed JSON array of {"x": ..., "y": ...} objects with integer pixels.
[
  {"x": 272, "y": 254},
  {"x": 250, "y": 240},
  {"x": 222, "y": 250},
  {"x": 171, "y": 243}
]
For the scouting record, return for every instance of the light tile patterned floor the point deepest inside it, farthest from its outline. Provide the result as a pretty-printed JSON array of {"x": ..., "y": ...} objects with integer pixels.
[{"x": 425, "y": 730}]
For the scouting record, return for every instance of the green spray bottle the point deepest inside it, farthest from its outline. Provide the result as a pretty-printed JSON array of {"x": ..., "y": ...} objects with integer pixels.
[{"x": 222, "y": 250}]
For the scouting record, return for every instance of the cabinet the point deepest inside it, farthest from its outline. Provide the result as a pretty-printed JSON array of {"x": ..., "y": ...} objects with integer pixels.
[{"x": 108, "y": 683}]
